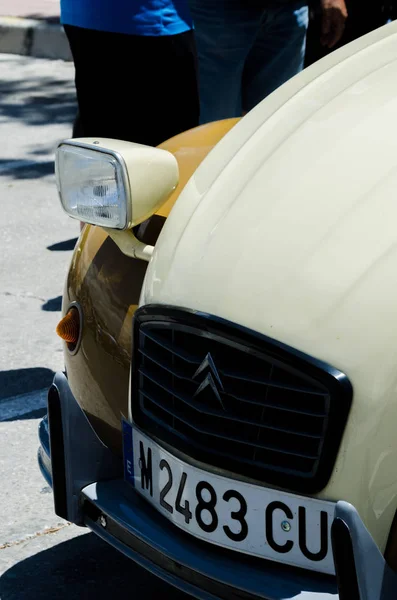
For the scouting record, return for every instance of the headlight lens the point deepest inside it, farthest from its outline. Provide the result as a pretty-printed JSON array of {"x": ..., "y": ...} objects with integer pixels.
[{"x": 92, "y": 186}]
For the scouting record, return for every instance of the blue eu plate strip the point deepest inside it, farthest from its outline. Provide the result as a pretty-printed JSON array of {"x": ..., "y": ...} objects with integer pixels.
[{"x": 128, "y": 452}]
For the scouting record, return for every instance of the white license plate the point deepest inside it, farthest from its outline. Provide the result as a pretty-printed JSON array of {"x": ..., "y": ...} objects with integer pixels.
[{"x": 255, "y": 520}]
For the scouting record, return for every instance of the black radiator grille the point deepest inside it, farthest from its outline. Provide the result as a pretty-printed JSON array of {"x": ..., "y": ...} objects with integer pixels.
[{"x": 235, "y": 401}]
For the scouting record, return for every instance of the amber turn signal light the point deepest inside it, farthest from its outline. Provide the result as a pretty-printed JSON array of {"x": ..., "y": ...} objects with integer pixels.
[{"x": 68, "y": 328}]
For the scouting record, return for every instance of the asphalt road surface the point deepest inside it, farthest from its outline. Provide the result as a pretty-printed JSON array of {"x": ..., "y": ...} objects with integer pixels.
[{"x": 41, "y": 556}]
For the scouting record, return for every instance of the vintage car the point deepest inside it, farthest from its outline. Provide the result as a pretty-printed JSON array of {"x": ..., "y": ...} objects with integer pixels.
[{"x": 227, "y": 416}]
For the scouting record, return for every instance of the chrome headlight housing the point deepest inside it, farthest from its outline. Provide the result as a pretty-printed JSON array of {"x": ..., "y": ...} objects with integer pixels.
[
  {"x": 93, "y": 186},
  {"x": 111, "y": 183}
]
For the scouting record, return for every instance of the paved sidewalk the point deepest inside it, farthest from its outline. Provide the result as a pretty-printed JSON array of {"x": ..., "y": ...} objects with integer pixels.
[
  {"x": 31, "y": 28},
  {"x": 31, "y": 9}
]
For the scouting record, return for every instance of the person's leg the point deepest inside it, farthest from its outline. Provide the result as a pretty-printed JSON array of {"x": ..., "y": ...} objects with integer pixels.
[
  {"x": 95, "y": 79},
  {"x": 77, "y": 127},
  {"x": 178, "y": 107},
  {"x": 135, "y": 88},
  {"x": 363, "y": 16},
  {"x": 162, "y": 88},
  {"x": 278, "y": 52},
  {"x": 225, "y": 31},
  {"x": 72, "y": 33}
]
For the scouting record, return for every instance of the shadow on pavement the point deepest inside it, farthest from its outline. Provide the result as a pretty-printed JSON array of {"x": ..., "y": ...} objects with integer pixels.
[
  {"x": 44, "y": 101},
  {"x": 62, "y": 246},
  {"x": 23, "y": 381},
  {"x": 53, "y": 305},
  {"x": 45, "y": 18},
  {"x": 27, "y": 169},
  {"x": 85, "y": 568},
  {"x": 34, "y": 414}
]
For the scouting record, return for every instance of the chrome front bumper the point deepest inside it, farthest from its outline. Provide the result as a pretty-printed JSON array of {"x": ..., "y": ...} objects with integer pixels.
[{"x": 89, "y": 490}]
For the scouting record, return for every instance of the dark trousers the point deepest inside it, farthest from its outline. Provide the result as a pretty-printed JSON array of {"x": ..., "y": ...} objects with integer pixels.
[
  {"x": 135, "y": 88},
  {"x": 364, "y": 16}
]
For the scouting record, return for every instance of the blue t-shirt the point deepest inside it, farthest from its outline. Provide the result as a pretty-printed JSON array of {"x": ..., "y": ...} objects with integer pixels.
[{"x": 137, "y": 17}]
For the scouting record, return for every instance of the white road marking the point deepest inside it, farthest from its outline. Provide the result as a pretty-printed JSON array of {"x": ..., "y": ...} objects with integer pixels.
[{"x": 17, "y": 406}]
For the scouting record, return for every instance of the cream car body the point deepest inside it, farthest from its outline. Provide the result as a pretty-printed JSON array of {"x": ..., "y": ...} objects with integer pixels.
[
  {"x": 289, "y": 228},
  {"x": 271, "y": 285}
]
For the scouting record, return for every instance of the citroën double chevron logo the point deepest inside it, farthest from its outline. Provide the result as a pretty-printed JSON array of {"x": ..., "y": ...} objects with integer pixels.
[{"x": 212, "y": 379}]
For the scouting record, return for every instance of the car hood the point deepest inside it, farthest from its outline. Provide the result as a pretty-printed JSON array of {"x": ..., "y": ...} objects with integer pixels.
[{"x": 289, "y": 227}]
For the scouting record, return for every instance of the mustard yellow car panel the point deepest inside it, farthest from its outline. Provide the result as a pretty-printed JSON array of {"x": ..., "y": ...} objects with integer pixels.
[{"x": 99, "y": 373}]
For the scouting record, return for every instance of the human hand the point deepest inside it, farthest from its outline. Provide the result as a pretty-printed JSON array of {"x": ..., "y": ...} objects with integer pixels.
[{"x": 333, "y": 21}]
